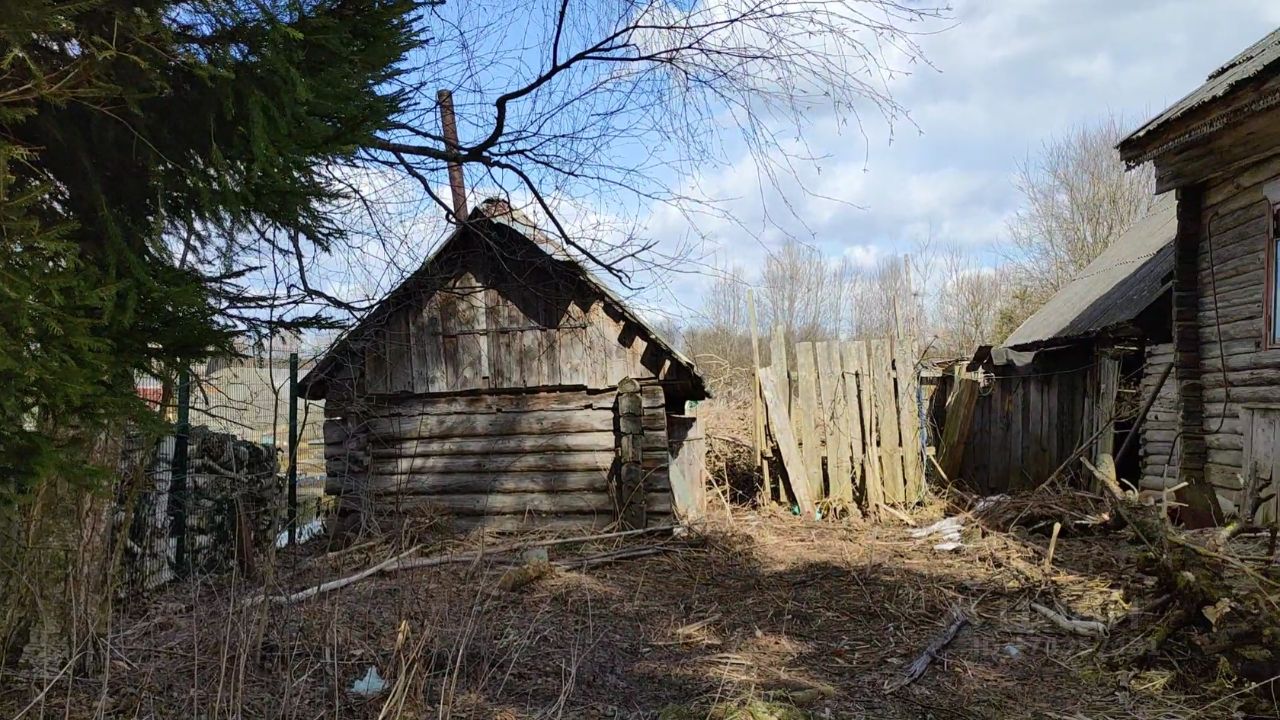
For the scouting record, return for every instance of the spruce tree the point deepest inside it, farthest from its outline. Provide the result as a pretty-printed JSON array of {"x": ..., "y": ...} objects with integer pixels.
[{"x": 138, "y": 140}]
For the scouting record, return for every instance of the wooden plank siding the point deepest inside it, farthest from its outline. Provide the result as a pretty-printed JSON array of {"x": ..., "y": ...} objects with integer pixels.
[{"x": 1025, "y": 423}]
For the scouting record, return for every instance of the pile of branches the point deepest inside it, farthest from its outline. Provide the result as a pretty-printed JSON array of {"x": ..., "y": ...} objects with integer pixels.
[{"x": 1216, "y": 595}]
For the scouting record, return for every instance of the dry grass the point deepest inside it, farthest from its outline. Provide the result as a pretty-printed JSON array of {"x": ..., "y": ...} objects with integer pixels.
[{"x": 756, "y": 608}]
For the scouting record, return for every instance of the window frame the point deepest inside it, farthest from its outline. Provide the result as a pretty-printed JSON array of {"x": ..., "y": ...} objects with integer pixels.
[{"x": 1270, "y": 329}]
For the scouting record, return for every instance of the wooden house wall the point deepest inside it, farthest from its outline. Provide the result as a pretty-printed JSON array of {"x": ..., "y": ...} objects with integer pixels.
[
  {"x": 1160, "y": 429},
  {"x": 1024, "y": 425},
  {"x": 1235, "y": 368},
  {"x": 501, "y": 460}
]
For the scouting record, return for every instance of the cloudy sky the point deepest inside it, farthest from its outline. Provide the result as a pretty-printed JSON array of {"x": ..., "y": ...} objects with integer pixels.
[{"x": 1007, "y": 74}]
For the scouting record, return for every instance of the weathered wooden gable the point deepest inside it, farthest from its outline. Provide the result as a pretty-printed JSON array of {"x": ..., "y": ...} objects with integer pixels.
[{"x": 499, "y": 319}]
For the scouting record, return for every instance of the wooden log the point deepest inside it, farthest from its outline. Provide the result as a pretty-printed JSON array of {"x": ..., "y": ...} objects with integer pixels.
[
  {"x": 626, "y": 488},
  {"x": 806, "y": 416},
  {"x": 502, "y": 445},
  {"x": 599, "y": 460},
  {"x": 792, "y": 460},
  {"x": 462, "y": 426},
  {"x": 479, "y": 483},
  {"x": 517, "y": 503},
  {"x": 493, "y": 403},
  {"x": 524, "y": 522}
]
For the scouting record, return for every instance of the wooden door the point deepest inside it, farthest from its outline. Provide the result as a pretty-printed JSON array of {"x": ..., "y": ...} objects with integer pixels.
[{"x": 1260, "y": 426}]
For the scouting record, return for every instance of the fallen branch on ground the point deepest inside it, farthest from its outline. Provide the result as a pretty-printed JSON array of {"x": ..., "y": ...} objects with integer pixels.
[
  {"x": 921, "y": 664},
  {"x": 403, "y": 561},
  {"x": 1087, "y": 628}
]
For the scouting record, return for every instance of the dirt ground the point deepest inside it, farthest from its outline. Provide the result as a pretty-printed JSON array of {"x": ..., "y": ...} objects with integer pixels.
[{"x": 756, "y": 615}]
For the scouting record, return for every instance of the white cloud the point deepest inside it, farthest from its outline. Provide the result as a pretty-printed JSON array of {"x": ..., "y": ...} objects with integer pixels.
[{"x": 1008, "y": 75}]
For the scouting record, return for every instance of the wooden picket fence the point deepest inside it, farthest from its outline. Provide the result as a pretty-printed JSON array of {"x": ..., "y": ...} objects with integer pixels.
[{"x": 845, "y": 421}]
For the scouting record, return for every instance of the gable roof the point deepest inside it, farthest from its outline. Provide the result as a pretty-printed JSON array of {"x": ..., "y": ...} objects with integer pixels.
[
  {"x": 1115, "y": 288},
  {"x": 491, "y": 213},
  {"x": 1145, "y": 142}
]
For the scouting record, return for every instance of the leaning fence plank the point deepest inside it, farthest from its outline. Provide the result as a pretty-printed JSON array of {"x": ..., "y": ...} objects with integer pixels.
[
  {"x": 757, "y": 435},
  {"x": 886, "y": 409},
  {"x": 805, "y": 416},
  {"x": 959, "y": 417},
  {"x": 838, "y": 469},
  {"x": 909, "y": 418},
  {"x": 780, "y": 426}
]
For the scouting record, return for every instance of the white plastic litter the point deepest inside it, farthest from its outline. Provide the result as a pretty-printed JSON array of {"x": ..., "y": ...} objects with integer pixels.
[
  {"x": 369, "y": 685},
  {"x": 305, "y": 533},
  {"x": 988, "y": 501},
  {"x": 947, "y": 531}
]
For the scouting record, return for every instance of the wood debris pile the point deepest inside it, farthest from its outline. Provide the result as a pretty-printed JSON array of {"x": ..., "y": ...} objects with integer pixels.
[
  {"x": 753, "y": 611},
  {"x": 235, "y": 505}
]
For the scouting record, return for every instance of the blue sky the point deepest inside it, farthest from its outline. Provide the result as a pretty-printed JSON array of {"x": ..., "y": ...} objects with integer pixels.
[
  {"x": 1003, "y": 76},
  {"x": 1006, "y": 76}
]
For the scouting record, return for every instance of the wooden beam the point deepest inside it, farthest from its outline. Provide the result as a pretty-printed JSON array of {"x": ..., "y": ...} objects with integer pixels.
[{"x": 757, "y": 421}]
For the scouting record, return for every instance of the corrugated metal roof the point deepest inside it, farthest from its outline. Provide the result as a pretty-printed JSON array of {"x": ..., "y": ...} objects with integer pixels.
[
  {"x": 1115, "y": 288},
  {"x": 1220, "y": 82}
]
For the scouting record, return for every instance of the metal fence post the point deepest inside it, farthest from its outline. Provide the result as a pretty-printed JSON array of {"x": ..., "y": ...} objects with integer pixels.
[
  {"x": 293, "y": 448},
  {"x": 178, "y": 482}
]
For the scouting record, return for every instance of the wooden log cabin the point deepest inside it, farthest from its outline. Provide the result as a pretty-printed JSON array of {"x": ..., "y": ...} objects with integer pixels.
[
  {"x": 1074, "y": 371},
  {"x": 1217, "y": 151},
  {"x": 505, "y": 386}
]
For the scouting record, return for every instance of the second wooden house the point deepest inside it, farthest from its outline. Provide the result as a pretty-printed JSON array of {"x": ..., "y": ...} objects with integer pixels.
[{"x": 1217, "y": 151}]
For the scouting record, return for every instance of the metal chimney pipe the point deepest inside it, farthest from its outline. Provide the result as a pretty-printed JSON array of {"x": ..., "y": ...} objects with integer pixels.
[{"x": 449, "y": 127}]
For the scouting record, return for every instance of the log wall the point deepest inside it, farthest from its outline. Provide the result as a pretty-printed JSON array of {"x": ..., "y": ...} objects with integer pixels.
[
  {"x": 497, "y": 459},
  {"x": 1235, "y": 366},
  {"x": 1160, "y": 429}
]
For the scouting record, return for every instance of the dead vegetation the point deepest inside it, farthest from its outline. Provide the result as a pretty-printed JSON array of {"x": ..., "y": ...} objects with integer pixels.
[{"x": 754, "y": 615}]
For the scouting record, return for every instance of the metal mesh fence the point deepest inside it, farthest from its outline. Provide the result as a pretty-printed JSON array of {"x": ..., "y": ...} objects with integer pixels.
[{"x": 215, "y": 492}]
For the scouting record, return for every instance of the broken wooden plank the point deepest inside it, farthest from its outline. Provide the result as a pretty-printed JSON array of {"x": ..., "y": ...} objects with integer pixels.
[
  {"x": 920, "y": 665},
  {"x": 872, "y": 470},
  {"x": 780, "y": 425},
  {"x": 778, "y": 363},
  {"x": 886, "y": 411}
]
